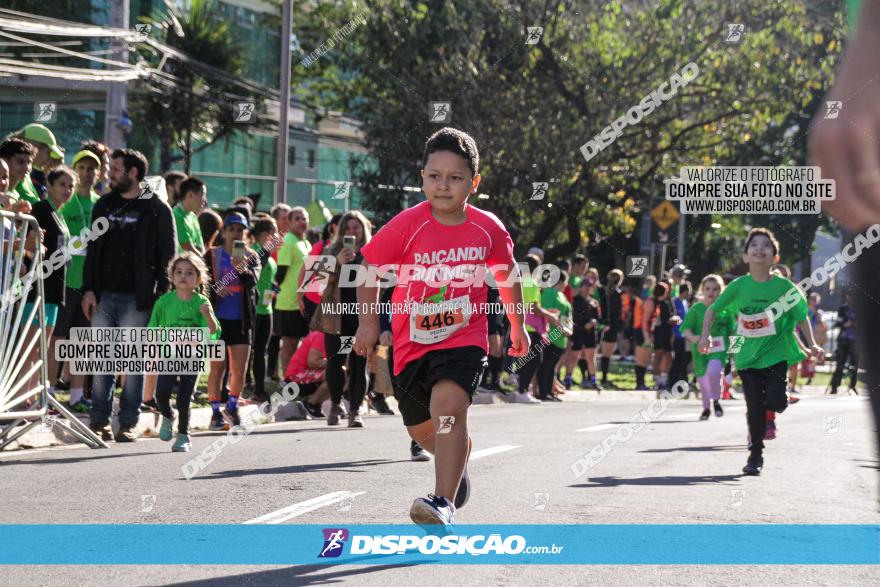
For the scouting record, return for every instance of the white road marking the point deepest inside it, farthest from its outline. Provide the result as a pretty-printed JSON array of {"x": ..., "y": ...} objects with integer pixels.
[
  {"x": 597, "y": 427},
  {"x": 493, "y": 450},
  {"x": 304, "y": 507}
]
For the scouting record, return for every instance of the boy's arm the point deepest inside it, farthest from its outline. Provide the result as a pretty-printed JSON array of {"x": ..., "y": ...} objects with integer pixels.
[
  {"x": 815, "y": 349},
  {"x": 368, "y": 318},
  {"x": 512, "y": 296}
]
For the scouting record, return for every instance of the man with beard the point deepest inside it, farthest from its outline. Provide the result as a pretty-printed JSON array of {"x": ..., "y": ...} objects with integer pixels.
[{"x": 125, "y": 272}]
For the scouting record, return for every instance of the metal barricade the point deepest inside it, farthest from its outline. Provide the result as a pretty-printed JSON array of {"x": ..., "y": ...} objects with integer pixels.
[{"x": 23, "y": 404}]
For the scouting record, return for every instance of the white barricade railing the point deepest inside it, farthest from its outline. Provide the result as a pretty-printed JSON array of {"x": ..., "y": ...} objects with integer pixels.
[{"x": 25, "y": 401}]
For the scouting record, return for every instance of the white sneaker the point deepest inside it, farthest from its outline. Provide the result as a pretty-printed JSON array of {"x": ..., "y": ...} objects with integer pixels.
[
  {"x": 432, "y": 511},
  {"x": 526, "y": 398}
]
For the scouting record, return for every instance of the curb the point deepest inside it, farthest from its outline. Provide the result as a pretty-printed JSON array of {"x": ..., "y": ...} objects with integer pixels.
[{"x": 149, "y": 422}]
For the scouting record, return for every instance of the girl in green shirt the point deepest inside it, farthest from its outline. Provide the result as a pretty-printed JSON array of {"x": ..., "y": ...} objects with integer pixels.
[
  {"x": 182, "y": 307},
  {"x": 709, "y": 368}
]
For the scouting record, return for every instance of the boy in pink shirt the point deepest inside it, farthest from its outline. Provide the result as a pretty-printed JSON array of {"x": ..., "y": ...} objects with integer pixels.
[{"x": 442, "y": 249}]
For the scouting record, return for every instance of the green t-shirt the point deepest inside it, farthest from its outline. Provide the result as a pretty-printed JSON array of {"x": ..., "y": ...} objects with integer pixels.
[
  {"x": 170, "y": 311},
  {"x": 77, "y": 213},
  {"x": 264, "y": 284},
  {"x": 723, "y": 327},
  {"x": 574, "y": 281},
  {"x": 188, "y": 230},
  {"x": 531, "y": 295},
  {"x": 552, "y": 299},
  {"x": 27, "y": 190},
  {"x": 765, "y": 342},
  {"x": 292, "y": 255}
]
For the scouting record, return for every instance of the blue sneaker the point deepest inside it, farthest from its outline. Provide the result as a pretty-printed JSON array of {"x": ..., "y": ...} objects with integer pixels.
[
  {"x": 217, "y": 422},
  {"x": 166, "y": 431},
  {"x": 432, "y": 511},
  {"x": 182, "y": 444},
  {"x": 464, "y": 490}
]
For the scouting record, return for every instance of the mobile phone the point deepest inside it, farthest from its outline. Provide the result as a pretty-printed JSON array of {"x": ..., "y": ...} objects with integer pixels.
[
  {"x": 348, "y": 242},
  {"x": 238, "y": 250}
]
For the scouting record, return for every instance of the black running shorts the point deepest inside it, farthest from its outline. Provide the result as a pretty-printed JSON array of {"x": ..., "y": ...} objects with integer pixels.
[
  {"x": 291, "y": 323},
  {"x": 412, "y": 386}
]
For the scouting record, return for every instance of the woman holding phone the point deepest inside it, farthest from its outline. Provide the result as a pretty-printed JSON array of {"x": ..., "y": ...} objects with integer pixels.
[
  {"x": 353, "y": 233},
  {"x": 234, "y": 269}
]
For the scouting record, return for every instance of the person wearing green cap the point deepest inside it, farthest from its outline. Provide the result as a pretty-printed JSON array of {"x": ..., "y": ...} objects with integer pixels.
[
  {"x": 77, "y": 213},
  {"x": 47, "y": 148}
]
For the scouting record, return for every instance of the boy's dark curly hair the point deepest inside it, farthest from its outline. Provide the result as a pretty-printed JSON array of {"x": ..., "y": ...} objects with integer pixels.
[{"x": 455, "y": 141}]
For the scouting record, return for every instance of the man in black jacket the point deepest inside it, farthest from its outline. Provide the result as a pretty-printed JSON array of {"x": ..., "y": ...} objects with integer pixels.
[{"x": 125, "y": 272}]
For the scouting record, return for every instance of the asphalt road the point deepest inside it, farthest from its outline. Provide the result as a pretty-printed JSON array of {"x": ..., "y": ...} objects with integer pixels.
[{"x": 822, "y": 469}]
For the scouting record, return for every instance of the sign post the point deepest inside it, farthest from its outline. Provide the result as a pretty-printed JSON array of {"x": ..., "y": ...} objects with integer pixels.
[{"x": 664, "y": 228}]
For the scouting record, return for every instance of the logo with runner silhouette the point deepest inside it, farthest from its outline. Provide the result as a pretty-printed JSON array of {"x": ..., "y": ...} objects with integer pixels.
[
  {"x": 334, "y": 541},
  {"x": 735, "y": 33}
]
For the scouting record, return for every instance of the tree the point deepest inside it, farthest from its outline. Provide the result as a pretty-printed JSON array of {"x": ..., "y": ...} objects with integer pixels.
[
  {"x": 191, "y": 97},
  {"x": 532, "y": 106}
]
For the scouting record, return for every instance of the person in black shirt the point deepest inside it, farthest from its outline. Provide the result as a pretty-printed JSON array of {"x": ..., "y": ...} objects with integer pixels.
[
  {"x": 60, "y": 182},
  {"x": 658, "y": 319},
  {"x": 585, "y": 316},
  {"x": 353, "y": 224},
  {"x": 847, "y": 349},
  {"x": 612, "y": 305},
  {"x": 124, "y": 274}
]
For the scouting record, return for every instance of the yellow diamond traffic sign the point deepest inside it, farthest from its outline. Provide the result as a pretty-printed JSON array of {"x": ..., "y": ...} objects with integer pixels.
[{"x": 664, "y": 215}]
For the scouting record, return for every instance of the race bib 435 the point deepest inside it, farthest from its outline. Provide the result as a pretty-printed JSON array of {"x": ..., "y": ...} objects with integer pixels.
[{"x": 755, "y": 325}]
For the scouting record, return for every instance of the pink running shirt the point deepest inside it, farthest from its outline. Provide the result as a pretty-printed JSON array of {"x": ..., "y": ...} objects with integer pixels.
[{"x": 414, "y": 237}]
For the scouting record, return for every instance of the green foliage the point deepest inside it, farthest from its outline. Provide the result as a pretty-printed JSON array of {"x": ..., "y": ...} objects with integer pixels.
[
  {"x": 192, "y": 101},
  {"x": 531, "y": 107}
]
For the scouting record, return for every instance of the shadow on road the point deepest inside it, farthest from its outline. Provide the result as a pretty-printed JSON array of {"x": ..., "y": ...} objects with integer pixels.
[
  {"x": 98, "y": 454},
  {"x": 343, "y": 467},
  {"x": 695, "y": 448},
  {"x": 660, "y": 422},
  {"x": 297, "y": 575},
  {"x": 667, "y": 480}
]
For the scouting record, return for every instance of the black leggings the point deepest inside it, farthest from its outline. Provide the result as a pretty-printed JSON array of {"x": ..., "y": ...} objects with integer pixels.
[
  {"x": 164, "y": 385},
  {"x": 272, "y": 360},
  {"x": 764, "y": 390},
  {"x": 680, "y": 362},
  {"x": 527, "y": 371},
  {"x": 262, "y": 332},
  {"x": 847, "y": 353},
  {"x": 547, "y": 371},
  {"x": 335, "y": 375}
]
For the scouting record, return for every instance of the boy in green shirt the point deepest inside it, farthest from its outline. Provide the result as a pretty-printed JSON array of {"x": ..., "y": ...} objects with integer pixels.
[
  {"x": 769, "y": 344},
  {"x": 193, "y": 197}
]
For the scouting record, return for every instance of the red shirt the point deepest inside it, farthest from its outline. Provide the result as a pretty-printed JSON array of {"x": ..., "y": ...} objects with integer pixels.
[
  {"x": 414, "y": 238},
  {"x": 298, "y": 369}
]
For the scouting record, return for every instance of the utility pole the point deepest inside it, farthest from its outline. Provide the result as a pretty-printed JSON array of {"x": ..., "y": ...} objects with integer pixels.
[
  {"x": 681, "y": 227},
  {"x": 283, "y": 119},
  {"x": 117, "y": 92}
]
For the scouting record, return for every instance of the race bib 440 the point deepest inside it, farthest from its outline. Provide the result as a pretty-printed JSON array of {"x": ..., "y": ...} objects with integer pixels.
[{"x": 755, "y": 325}]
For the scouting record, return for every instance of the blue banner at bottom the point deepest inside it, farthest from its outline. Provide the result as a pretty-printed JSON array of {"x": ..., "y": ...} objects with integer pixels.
[{"x": 169, "y": 544}]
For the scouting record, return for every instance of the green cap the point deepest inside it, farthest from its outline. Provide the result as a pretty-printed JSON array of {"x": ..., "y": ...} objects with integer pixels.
[
  {"x": 40, "y": 134},
  {"x": 82, "y": 155}
]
